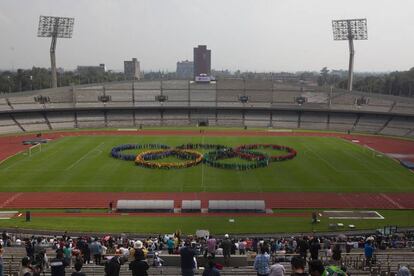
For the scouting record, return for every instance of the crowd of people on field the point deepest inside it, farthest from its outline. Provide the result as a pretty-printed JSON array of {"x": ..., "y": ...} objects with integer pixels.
[{"x": 113, "y": 252}]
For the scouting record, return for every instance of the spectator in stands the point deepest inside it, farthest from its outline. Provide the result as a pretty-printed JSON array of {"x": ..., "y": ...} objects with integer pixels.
[
  {"x": 26, "y": 269},
  {"x": 404, "y": 271},
  {"x": 303, "y": 246},
  {"x": 96, "y": 251},
  {"x": 298, "y": 266},
  {"x": 277, "y": 270},
  {"x": 369, "y": 252},
  {"x": 242, "y": 247},
  {"x": 262, "y": 262},
  {"x": 337, "y": 253},
  {"x": 211, "y": 247},
  {"x": 314, "y": 248},
  {"x": 211, "y": 269},
  {"x": 78, "y": 270},
  {"x": 67, "y": 252},
  {"x": 316, "y": 268},
  {"x": 38, "y": 247},
  {"x": 226, "y": 244},
  {"x": 170, "y": 245},
  {"x": 1, "y": 260},
  {"x": 58, "y": 264},
  {"x": 139, "y": 265},
  {"x": 187, "y": 259},
  {"x": 348, "y": 246},
  {"x": 113, "y": 266}
]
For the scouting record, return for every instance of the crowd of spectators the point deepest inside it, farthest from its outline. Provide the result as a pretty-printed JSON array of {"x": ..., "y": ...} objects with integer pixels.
[{"x": 113, "y": 252}]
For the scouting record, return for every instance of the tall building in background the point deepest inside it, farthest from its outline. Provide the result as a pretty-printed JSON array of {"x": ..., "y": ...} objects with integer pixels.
[
  {"x": 202, "y": 61},
  {"x": 132, "y": 69},
  {"x": 185, "y": 69}
]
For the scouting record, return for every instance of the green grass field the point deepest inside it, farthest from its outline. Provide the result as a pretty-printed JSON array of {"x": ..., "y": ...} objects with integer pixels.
[
  {"x": 323, "y": 164},
  {"x": 215, "y": 224},
  {"x": 83, "y": 163}
]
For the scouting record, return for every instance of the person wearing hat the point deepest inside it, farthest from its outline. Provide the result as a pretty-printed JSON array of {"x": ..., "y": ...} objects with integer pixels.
[
  {"x": 226, "y": 244},
  {"x": 139, "y": 265}
]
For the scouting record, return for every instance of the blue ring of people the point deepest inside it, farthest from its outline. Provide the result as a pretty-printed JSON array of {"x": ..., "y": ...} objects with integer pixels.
[{"x": 215, "y": 157}]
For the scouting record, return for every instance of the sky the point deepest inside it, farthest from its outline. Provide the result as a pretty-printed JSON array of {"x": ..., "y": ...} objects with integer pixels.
[{"x": 254, "y": 35}]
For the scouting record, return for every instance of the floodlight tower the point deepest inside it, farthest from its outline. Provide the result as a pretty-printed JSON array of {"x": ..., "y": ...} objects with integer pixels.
[
  {"x": 350, "y": 29},
  {"x": 54, "y": 27}
]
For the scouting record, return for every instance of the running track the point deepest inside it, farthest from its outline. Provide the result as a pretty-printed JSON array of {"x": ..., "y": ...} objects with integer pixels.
[{"x": 10, "y": 145}]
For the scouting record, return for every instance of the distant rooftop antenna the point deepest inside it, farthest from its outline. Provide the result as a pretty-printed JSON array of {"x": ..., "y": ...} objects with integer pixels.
[
  {"x": 54, "y": 27},
  {"x": 350, "y": 29}
]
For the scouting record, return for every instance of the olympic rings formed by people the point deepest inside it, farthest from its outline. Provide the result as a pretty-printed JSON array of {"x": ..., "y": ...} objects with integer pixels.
[
  {"x": 212, "y": 158},
  {"x": 291, "y": 153},
  {"x": 145, "y": 159},
  {"x": 116, "y": 152}
]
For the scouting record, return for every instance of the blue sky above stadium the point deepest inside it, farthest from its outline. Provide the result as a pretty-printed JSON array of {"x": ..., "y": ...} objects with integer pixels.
[{"x": 257, "y": 35}]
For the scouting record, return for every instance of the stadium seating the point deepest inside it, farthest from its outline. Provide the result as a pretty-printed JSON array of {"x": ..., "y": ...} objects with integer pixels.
[
  {"x": 218, "y": 103},
  {"x": 229, "y": 118},
  {"x": 89, "y": 119},
  {"x": 342, "y": 121},
  {"x": 285, "y": 119},
  {"x": 120, "y": 118},
  {"x": 313, "y": 120},
  {"x": 257, "y": 118}
]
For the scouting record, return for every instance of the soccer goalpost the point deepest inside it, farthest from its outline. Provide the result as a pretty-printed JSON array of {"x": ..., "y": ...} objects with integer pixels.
[{"x": 34, "y": 149}]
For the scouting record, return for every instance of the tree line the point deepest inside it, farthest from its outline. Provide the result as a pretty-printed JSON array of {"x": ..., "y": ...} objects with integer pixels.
[{"x": 398, "y": 83}]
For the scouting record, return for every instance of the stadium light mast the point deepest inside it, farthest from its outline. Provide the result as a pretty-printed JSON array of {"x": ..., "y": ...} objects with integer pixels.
[
  {"x": 350, "y": 29},
  {"x": 54, "y": 27}
]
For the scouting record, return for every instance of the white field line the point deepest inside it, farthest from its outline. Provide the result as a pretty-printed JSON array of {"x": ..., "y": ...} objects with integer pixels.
[
  {"x": 321, "y": 158},
  {"x": 11, "y": 156},
  {"x": 361, "y": 213},
  {"x": 4, "y": 204},
  {"x": 393, "y": 202},
  {"x": 83, "y": 157}
]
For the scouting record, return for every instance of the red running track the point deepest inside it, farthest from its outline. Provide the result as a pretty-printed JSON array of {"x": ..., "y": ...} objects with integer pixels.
[
  {"x": 286, "y": 200},
  {"x": 10, "y": 145}
]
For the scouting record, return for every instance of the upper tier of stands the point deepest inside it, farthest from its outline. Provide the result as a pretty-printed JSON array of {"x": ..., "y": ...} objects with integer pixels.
[
  {"x": 225, "y": 102},
  {"x": 223, "y": 93}
]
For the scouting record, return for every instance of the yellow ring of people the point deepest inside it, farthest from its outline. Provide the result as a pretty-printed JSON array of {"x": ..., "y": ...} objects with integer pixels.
[{"x": 147, "y": 159}]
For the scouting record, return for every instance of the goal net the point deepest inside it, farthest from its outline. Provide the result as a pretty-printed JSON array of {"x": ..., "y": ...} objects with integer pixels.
[{"x": 34, "y": 149}]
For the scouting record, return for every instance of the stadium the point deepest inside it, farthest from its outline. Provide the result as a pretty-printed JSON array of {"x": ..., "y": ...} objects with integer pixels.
[
  {"x": 352, "y": 164},
  {"x": 351, "y": 140},
  {"x": 202, "y": 171}
]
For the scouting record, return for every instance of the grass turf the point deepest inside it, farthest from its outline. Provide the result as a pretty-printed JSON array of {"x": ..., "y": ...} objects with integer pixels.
[
  {"x": 323, "y": 164},
  {"x": 217, "y": 225}
]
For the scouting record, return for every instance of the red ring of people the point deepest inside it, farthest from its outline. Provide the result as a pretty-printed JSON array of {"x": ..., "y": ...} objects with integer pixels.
[{"x": 244, "y": 151}]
